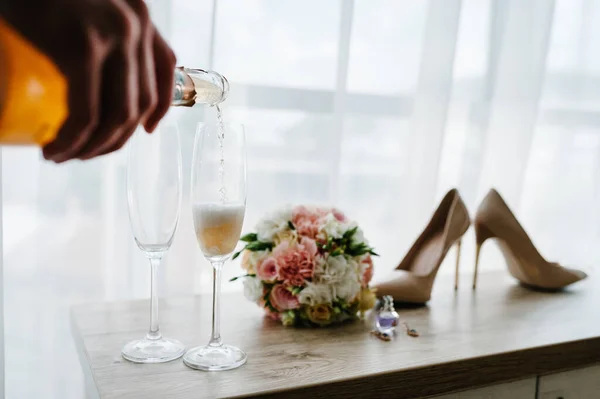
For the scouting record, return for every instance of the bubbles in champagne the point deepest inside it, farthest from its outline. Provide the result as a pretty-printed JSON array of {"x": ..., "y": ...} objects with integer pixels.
[{"x": 218, "y": 226}]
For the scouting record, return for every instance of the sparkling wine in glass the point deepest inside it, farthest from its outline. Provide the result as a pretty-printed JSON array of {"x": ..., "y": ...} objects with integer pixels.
[
  {"x": 218, "y": 195},
  {"x": 154, "y": 202}
]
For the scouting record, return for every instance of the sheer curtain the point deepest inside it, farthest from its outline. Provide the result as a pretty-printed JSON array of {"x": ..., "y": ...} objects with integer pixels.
[{"x": 378, "y": 107}]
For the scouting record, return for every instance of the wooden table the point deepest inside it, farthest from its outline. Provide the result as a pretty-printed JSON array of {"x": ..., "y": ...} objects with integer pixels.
[{"x": 502, "y": 332}]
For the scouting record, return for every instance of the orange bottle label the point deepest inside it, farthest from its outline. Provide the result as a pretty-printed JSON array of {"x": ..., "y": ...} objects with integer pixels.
[{"x": 33, "y": 92}]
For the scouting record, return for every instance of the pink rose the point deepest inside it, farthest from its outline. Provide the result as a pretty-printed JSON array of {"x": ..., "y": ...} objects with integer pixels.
[
  {"x": 281, "y": 249},
  {"x": 297, "y": 263},
  {"x": 282, "y": 299},
  {"x": 302, "y": 214},
  {"x": 309, "y": 245},
  {"x": 322, "y": 212},
  {"x": 308, "y": 229},
  {"x": 368, "y": 273},
  {"x": 297, "y": 280},
  {"x": 339, "y": 215},
  {"x": 266, "y": 270},
  {"x": 289, "y": 267},
  {"x": 307, "y": 250},
  {"x": 306, "y": 221}
]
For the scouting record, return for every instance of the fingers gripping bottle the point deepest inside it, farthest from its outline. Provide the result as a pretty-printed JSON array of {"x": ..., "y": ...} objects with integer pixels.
[{"x": 34, "y": 93}]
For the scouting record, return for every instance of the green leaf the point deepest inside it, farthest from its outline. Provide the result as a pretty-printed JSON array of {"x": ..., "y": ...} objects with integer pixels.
[
  {"x": 358, "y": 249},
  {"x": 250, "y": 237},
  {"x": 349, "y": 311},
  {"x": 238, "y": 277},
  {"x": 235, "y": 255},
  {"x": 373, "y": 252},
  {"x": 348, "y": 234},
  {"x": 291, "y": 225},
  {"x": 259, "y": 246},
  {"x": 336, "y": 252},
  {"x": 296, "y": 290},
  {"x": 352, "y": 251}
]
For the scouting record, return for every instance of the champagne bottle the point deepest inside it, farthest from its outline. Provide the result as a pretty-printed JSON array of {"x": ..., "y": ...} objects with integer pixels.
[{"x": 34, "y": 93}]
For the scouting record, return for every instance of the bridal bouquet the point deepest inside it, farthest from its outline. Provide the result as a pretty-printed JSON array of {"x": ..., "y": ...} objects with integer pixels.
[{"x": 308, "y": 266}]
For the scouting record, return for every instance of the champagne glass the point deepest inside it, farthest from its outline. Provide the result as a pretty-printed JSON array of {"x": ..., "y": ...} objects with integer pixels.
[
  {"x": 218, "y": 196},
  {"x": 154, "y": 203}
]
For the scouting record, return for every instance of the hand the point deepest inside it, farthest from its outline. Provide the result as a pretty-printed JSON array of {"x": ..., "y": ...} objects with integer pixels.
[{"x": 119, "y": 69}]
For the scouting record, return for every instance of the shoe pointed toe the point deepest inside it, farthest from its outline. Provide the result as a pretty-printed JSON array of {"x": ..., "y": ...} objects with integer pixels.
[
  {"x": 405, "y": 288},
  {"x": 577, "y": 275}
]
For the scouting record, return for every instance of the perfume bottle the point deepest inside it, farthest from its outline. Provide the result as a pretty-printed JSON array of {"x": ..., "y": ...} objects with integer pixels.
[{"x": 387, "y": 317}]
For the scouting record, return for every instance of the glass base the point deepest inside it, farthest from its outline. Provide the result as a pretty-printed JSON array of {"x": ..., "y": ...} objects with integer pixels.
[
  {"x": 153, "y": 350},
  {"x": 214, "y": 358}
]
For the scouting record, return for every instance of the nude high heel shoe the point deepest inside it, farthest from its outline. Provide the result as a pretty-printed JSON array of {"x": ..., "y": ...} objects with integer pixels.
[
  {"x": 494, "y": 219},
  {"x": 419, "y": 267}
]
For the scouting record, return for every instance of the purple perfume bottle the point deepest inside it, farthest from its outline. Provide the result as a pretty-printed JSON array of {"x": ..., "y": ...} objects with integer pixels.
[{"x": 387, "y": 317}]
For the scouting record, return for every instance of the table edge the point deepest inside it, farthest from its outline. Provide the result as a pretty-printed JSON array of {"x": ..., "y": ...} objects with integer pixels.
[{"x": 452, "y": 376}]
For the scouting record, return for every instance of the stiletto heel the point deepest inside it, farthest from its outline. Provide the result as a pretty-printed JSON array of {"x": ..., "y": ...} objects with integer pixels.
[
  {"x": 458, "y": 248},
  {"x": 481, "y": 235},
  {"x": 417, "y": 271},
  {"x": 477, "y": 252},
  {"x": 494, "y": 219}
]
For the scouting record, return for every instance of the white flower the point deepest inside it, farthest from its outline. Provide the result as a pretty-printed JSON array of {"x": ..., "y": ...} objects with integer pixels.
[
  {"x": 315, "y": 294},
  {"x": 353, "y": 267},
  {"x": 359, "y": 237},
  {"x": 253, "y": 288},
  {"x": 268, "y": 227},
  {"x": 347, "y": 289},
  {"x": 331, "y": 270},
  {"x": 341, "y": 275},
  {"x": 255, "y": 257},
  {"x": 333, "y": 227}
]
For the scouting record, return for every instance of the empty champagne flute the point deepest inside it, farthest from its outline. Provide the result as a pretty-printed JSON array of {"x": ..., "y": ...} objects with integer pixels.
[
  {"x": 154, "y": 203},
  {"x": 218, "y": 197}
]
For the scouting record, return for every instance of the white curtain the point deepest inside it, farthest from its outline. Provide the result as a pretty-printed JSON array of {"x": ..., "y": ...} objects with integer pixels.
[{"x": 376, "y": 106}]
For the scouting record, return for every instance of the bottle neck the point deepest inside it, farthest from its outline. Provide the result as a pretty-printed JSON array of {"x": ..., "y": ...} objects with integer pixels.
[{"x": 196, "y": 86}]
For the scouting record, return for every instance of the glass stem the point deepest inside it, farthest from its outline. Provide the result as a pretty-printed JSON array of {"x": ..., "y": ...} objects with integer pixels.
[
  {"x": 215, "y": 338},
  {"x": 154, "y": 332}
]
